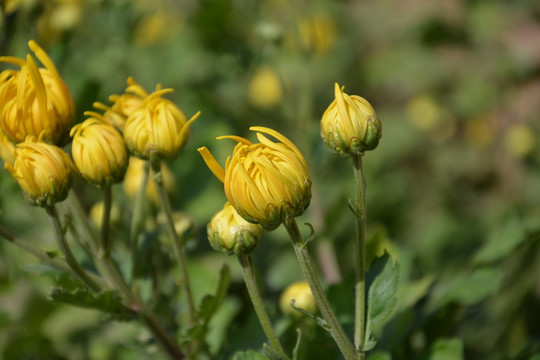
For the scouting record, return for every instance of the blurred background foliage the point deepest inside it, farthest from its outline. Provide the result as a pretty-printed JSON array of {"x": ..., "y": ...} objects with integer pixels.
[{"x": 453, "y": 188}]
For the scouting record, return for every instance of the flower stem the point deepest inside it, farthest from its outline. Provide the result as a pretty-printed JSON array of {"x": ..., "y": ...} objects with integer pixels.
[
  {"x": 30, "y": 248},
  {"x": 360, "y": 256},
  {"x": 334, "y": 326},
  {"x": 137, "y": 223},
  {"x": 248, "y": 273},
  {"x": 135, "y": 302},
  {"x": 66, "y": 250},
  {"x": 178, "y": 247}
]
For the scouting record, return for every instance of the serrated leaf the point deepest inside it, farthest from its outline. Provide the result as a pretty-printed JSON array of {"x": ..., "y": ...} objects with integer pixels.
[
  {"x": 248, "y": 355},
  {"x": 106, "y": 301},
  {"x": 383, "y": 282}
]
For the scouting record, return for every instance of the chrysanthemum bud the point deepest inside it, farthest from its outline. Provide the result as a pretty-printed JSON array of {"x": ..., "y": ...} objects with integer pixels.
[
  {"x": 99, "y": 151},
  {"x": 43, "y": 171},
  {"x": 230, "y": 233},
  {"x": 124, "y": 104},
  {"x": 158, "y": 128},
  {"x": 35, "y": 101},
  {"x": 268, "y": 182},
  {"x": 349, "y": 125},
  {"x": 302, "y": 296}
]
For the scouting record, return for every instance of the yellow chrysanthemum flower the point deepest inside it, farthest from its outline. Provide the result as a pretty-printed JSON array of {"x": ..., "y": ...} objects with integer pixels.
[
  {"x": 268, "y": 182},
  {"x": 302, "y": 296},
  {"x": 43, "y": 171},
  {"x": 349, "y": 126},
  {"x": 229, "y": 232},
  {"x": 35, "y": 101},
  {"x": 158, "y": 128},
  {"x": 99, "y": 151}
]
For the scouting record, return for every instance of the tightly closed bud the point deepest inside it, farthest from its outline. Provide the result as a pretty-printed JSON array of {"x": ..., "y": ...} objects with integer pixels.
[
  {"x": 349, "y": 126},
  {"x": 99, "y": 151},
  {"x": 302, "y": 296},
  {"x": 43, "y": 171},
  {"x": 35, "y": 101},
  {"x": 265, "y": 90},
  {"x": 268, "y": 182},
  {"x": 158, "y": 128},
  {"x": 230, "y": 233}
]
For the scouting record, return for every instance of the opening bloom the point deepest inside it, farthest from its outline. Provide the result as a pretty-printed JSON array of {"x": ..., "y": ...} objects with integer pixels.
[
  {"x": 158, "y": 128},
  {"x": 349, "y": 126},
  {"x": 43, "y": 171},
  {"x": 99, "y": 151},
  {"x": 229, "y": 232},
  {"x": 35, "y": 101},
  {"x": 7, "y": 149},
  {"x": 267, "y": 182}
]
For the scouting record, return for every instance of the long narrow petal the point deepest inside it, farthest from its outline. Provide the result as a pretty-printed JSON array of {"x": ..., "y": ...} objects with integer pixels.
[{"x": 212, "y": 164}]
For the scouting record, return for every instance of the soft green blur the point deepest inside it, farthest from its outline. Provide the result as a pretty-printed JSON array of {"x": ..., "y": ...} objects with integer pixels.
[{"x": 453, "y": 188}]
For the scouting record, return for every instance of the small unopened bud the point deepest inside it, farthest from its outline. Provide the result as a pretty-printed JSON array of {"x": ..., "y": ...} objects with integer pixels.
[
  {"x": 349, "y": 126},
  {"x": 230, "y": 233},
  {"x": 99, "y": 151},
  {"x": 302, "y": 296},
  {"x": 43, "y": 171}
]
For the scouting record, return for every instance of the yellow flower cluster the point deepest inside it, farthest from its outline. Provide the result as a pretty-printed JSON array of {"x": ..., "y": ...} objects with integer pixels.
[{"x": 37, "y": 115}]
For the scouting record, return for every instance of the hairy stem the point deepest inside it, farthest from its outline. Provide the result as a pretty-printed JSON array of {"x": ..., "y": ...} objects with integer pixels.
[
  {"x": 178, "y": 246},
  {"x": 334, "y": 326},
  {"x": 248, "y": 273},
  {"x": 360, "y": 256}
]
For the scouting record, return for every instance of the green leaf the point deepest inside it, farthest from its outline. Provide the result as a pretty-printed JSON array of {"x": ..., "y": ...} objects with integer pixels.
[
  {"x": 106, "y": 301},
  {"x": 502, "y": 242},
  {"x": 383, "y": 281},
  {"x": 380, "y": 355},
  {"x": 248, "y": 355},
  {"x": 447, "y": 349},
  {"x": 211, "y": 303},
  {"x": 472, "y": 287}
]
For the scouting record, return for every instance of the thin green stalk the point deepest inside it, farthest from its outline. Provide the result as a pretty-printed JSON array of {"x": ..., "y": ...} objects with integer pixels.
[
  {"x": 41, "y": 255},
  {"x": 360, "y": 256},
  {"x": 135, "y": 302},
  {"x": 90, "y": 236},
  {"x": 334, "y": 326},
  {"x": 248, "y": 273},
  {"x": 137, "y": 223},
  {"x": 66, "y": 250},
  {"x": 178, "y": 246}
]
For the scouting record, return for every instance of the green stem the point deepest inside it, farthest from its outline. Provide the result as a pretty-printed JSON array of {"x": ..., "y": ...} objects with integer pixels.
[
  {"x": 135, "y": 302},
  {"x": 41, "y": 255},
  {"x": 66, "y": 250},
  {"x": 360, "y": 256},
  {"x": 137, "y": 223},
  {"x": 178, "y": 247},
  {"x": 248, "y": 273},
  {"x": 90, "y": 236},
  {"x": 334, "y": 326}
]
